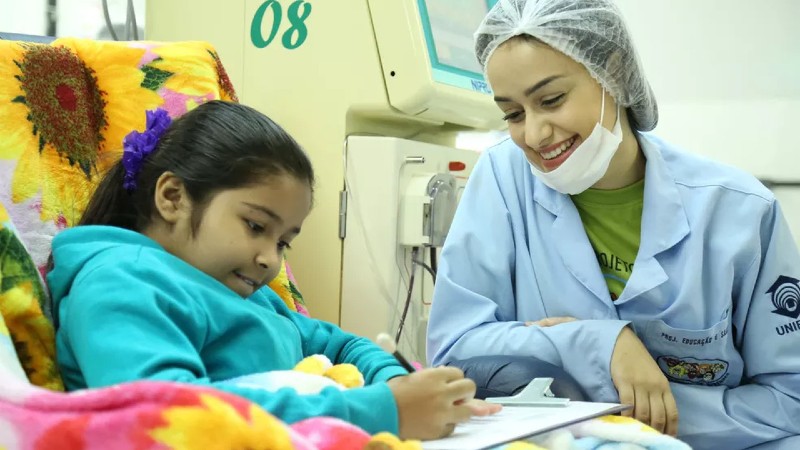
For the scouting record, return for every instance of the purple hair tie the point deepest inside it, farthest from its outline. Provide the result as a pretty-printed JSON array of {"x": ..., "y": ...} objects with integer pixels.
[{"x": 138, "y": 146}]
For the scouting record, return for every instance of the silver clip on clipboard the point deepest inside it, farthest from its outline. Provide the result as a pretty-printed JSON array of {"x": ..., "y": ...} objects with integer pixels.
[{"x": 536, "y": 393}]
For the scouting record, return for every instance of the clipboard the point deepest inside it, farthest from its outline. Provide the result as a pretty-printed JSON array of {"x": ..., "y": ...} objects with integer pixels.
[
  {"x": 536, "y": 393},
  {"x": 515, "y": 423}
]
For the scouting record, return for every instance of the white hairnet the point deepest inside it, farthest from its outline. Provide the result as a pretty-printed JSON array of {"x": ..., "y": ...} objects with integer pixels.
[{"x": 592, "y": 32}]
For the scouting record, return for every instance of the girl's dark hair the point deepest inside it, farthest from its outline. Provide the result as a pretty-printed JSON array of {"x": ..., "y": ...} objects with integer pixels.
[{"x": 216, "y": 146}]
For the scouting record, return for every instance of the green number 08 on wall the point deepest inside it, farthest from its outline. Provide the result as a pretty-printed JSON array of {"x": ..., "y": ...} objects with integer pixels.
[{"x": 296, "y": 13}]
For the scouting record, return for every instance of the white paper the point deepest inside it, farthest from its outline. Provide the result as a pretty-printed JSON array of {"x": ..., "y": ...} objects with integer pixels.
[{"x": 518, "y": 422}]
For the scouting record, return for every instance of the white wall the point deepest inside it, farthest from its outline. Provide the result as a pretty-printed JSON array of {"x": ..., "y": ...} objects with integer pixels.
[
  {"x": 726, "y": 74},
  {"x": 75, "y": 18},
  {"x": 84, "y": 18},
  {"x": 26, "y": 17}
]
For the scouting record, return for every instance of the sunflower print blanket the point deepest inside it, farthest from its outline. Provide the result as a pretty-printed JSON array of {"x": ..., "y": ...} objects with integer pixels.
[{"x": 161, "y": 416}]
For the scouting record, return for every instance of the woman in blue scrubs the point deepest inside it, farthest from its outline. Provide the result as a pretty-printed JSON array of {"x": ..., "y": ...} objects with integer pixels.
[{"x": 651, "y": 275}]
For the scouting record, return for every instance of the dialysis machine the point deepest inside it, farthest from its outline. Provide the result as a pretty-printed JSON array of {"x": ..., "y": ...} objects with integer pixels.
[{"x": 379, "y": 93}]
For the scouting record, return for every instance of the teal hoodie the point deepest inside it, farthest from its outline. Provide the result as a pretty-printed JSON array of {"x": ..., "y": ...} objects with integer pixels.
[{"x": 129, "y": 310}]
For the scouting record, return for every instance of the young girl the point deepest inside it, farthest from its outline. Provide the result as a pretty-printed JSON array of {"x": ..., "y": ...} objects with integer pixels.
[
  {"x": 164, "y": 279},
  {"x": 681, "y": 272}
]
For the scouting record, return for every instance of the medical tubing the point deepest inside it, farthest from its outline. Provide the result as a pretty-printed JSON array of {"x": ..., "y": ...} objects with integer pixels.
[
  {"x": 108, "y": 21},
  {"x": 434, "y": 263},
  {"x": 414, "y": 252}
]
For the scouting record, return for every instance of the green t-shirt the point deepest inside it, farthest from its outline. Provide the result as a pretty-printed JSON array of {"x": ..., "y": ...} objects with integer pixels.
[{"x": 613, "y": 222}]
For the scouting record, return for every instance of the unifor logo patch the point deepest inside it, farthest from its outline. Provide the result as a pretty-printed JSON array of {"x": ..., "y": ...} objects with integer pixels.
[{"x": 786, "y": 296}]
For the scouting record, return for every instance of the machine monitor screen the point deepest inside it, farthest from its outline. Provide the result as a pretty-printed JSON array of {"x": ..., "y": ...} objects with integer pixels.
[{"x": 449, "y": 26}]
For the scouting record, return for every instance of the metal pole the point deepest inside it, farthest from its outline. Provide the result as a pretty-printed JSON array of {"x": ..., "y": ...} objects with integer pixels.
[{"x": 52, "y": 17}]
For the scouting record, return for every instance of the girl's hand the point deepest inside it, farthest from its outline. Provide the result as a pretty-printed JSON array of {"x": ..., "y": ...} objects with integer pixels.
[{"x": 431, "y": 402}]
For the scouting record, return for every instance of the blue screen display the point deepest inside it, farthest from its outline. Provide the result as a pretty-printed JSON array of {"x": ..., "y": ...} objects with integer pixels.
[{"x": 449, "y": 26}]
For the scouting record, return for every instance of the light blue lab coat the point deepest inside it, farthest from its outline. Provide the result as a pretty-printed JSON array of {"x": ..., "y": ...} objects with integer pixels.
[{"x": 713, "y": 293}]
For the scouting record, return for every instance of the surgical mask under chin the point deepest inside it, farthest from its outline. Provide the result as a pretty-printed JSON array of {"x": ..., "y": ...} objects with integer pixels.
[{"x": 588, "y": 163}]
